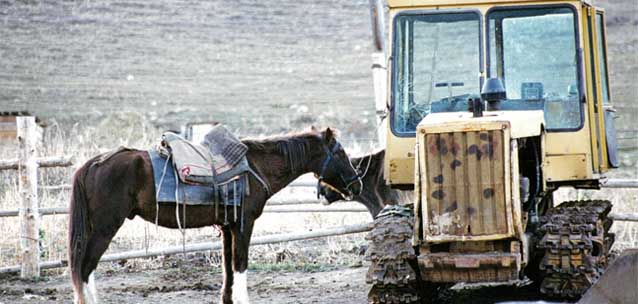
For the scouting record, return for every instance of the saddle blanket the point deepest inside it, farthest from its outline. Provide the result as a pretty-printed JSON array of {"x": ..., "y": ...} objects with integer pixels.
[{"x": 172, "y": 190}]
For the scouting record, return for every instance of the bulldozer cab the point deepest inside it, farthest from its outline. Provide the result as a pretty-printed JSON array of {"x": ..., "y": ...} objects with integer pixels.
[{"x": 550, "y": 56}]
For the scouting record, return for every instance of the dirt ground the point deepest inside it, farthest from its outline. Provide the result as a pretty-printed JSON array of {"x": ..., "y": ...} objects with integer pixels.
[{"x": 192, "y": 283}]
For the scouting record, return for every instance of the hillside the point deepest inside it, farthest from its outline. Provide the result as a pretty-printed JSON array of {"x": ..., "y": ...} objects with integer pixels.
[{"x": 252, "y": 64}]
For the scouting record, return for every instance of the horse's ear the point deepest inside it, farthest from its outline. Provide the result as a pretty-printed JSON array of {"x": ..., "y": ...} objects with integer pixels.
[{"x": 329, "y": 134}]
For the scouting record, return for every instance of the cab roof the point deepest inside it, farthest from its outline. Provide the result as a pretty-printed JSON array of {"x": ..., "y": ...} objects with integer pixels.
[{"x": 416, "y": 3}]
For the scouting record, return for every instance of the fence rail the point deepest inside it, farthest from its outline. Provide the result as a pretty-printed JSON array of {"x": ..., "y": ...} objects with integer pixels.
[
  {"x": 64, "y": 210},
  {"x": 619, "y": 183},
  {"x": 42, "y": 162},
  {"x": 261, "y": 240}
]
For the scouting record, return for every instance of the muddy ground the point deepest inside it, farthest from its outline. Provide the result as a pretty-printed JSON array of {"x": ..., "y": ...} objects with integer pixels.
[{"x": 192, "y": 282}]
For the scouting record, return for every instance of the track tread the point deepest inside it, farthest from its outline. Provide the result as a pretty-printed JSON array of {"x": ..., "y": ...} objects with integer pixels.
[
  {"x": 576, "y": 241},
  {"x": 392, "y": 277}
]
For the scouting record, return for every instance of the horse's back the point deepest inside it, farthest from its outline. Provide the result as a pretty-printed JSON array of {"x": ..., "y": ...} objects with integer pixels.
[{"x": 116, "y": 181}]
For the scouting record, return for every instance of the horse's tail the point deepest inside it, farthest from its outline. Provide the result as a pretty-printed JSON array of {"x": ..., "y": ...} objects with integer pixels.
[{"x": 78, "y": 230}]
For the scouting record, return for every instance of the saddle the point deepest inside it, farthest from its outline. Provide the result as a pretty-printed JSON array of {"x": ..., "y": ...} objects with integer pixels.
[
  {"x": 212, "y": 172},
  {"x": 220, "y": 157}
]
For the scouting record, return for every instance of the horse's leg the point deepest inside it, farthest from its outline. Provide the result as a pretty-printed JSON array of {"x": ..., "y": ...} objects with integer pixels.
[
  {"x": 227, "y": 265},
  {"x": 97, "y": 241},
  {"x": 241, "y": 241}
]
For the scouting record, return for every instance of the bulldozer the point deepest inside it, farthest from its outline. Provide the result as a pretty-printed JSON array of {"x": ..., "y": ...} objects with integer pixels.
[{"x": 491, "y": 106}]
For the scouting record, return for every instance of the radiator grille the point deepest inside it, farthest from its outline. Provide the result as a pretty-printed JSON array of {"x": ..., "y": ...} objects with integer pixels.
[{"x": 465, "y": 184}]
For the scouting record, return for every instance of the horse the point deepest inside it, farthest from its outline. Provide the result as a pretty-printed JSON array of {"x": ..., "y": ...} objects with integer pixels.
[
  {"x": 106, "y": 192},
  {"x": 376, "y": 194}
]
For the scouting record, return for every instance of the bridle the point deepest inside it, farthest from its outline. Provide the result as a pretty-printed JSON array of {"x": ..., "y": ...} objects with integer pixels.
[{"x": 329, "y": 157}]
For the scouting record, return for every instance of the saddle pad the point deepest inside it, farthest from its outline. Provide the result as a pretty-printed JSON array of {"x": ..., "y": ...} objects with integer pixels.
[{"x": 230, "y": 193}]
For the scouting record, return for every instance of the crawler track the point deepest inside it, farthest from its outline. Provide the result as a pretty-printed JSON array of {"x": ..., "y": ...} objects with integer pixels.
[
  {"x": 575, "y": 240},
  {"x": 390, "y": 253}
]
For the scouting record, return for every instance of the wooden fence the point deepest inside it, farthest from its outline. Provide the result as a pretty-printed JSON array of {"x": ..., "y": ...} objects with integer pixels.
[
  {"x": 27, "y": 165},
  {"x": 30, "y": 213}
]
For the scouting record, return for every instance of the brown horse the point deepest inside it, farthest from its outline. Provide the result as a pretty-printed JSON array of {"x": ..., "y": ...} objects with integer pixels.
[
  {"x": 375, "y": 194},
  {"x": 106, "y": 193}
]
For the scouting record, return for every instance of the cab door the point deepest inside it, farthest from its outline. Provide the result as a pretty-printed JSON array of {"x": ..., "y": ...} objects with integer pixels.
[
  {"x": 609, "y": 113},
  {"x": 601, "y": 112}
]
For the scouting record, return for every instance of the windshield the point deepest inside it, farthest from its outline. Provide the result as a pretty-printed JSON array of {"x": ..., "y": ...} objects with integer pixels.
[
  {"x": 533, "y": 51},
  {"x": 436, "y": 66}
]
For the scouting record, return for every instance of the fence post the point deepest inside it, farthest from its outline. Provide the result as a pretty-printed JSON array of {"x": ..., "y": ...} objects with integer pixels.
[
  {"x": 379, "y": 79},
  {"x": 27, "y": 186}
]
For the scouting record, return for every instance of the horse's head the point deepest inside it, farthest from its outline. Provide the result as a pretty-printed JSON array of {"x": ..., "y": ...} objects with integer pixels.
[
  {"x": 331, "y": 195},
  {"x": 375, "y": 193},
  {"x": 335, "y": 169}
]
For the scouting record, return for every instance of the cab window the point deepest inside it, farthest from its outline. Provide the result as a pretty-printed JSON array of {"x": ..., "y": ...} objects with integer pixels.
[
  {"x": 436, "y": 66},
  {"x": 533, "y": 50}
]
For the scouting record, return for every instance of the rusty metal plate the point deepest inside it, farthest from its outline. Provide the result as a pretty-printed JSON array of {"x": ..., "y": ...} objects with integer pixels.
[{"x": 465, "y": 185}]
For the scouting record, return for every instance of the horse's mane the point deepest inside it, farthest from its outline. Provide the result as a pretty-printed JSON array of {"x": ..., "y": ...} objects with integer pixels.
[{"x": 295, "y": 147}]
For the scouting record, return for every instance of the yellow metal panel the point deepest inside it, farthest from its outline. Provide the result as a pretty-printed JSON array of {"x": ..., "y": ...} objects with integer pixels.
[
  {"x": 587, "y": 71},
  {"x": 566, "y": 167},
  {"x": 574, "y": 144},
  {"x": 399, "y": 159},
  {"x": 599, "y": 96},
  {"x": 521, "y": 123},
  {"x": 401, "y": 171}
]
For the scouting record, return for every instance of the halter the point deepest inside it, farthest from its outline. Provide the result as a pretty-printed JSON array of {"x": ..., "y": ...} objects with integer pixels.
[{"x": 329, "y": 156}]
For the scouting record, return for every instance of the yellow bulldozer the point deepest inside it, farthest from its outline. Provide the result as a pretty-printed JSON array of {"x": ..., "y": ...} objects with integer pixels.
[{"x": 491, "y": 106}]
